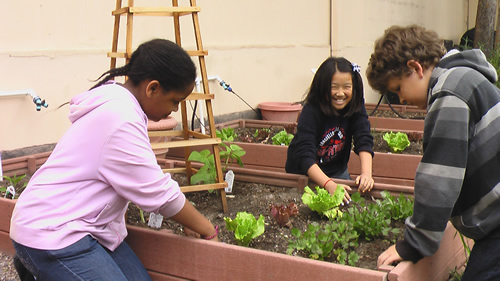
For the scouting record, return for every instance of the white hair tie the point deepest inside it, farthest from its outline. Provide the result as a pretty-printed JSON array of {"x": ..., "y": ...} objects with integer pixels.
[{"x": 356, "y": 68}]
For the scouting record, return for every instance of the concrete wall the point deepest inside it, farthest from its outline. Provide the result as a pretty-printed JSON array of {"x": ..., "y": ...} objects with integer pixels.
[{"x": 264, "y": 49}]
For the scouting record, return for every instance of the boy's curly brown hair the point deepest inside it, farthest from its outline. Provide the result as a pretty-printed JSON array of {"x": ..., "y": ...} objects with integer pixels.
[{"x": 396, "y": 47}]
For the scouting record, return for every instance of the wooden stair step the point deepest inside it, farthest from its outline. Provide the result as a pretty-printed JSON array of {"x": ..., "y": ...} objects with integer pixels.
[
  {"x": 157, "y": 11},
  {"x": 185, "y": 143}
]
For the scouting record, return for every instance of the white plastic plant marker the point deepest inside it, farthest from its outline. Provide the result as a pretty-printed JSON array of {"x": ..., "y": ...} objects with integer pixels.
[
  {"x": 10, "y": 190},
  {"x": 229, "y": 179},
  {"x": 155, "y": 220}
]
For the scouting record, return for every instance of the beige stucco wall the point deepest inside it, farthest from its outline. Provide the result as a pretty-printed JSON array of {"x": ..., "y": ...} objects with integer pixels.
[{"x": 264, "y": 49}]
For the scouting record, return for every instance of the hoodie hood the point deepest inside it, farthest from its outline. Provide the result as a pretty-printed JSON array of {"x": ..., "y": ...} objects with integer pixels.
[
  {"x": 91, "y": 100},
  {"x": 474, "y": 59}
]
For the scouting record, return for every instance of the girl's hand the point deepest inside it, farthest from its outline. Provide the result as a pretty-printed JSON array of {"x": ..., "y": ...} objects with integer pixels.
[
  {"x": 332, "y": 186},
  {"x": 364, "y": 182},
  {"x": 190, "y": 233}
]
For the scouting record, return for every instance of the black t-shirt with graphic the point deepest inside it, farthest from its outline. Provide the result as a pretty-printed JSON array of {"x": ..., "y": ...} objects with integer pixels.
[{"x": 327, "y": 141}]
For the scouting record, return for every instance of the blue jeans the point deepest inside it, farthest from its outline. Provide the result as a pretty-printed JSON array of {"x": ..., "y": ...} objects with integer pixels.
[
  {"x": 84, "y": 260},
  {"x": 484, "y": 261},
  {"x": 341, "y": 175}
]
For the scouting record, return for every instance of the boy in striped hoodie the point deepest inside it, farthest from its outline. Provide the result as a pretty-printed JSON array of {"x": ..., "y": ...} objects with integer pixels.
[{"x": 458, "y": 179}]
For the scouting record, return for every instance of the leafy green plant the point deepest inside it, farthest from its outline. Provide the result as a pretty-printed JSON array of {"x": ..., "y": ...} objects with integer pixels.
[
  {"x": 15, "y": 182},
  {"x": 226, "y": 134},
  {"x": 370, "y": 220},
  {"x": 230, "y": 153},
  {"x": 282, "y": 213},
  {"x": 323, "y": 203},
  {"x": 282, "y": 138},
  {"x": 246, "y": 227},
  {"x": 207, "y": 174},
  {"x": 399, "y": 207},
  {"x": 397, "y": 141},
  {"x": 319, "y": 241},
  {"x": 367, "y": 219}
]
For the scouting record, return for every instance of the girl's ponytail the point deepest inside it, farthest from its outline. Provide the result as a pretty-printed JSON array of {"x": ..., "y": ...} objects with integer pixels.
[{"x": 112, "y": 73}]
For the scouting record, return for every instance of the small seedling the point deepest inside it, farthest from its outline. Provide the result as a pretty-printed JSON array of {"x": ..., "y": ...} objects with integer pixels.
[
  {"x": 282, "y": 213},
  {"x": 15, "y": 187}
]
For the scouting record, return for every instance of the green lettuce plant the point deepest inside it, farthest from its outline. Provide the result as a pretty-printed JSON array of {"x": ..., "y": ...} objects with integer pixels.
[
  {"x": 245, "y": 227},
  {"x": 226, "y": 134},
  {"x": 282, "y": 138},
  {"x": 322, "y": 202},
  {"x": 397, "y": 141}
]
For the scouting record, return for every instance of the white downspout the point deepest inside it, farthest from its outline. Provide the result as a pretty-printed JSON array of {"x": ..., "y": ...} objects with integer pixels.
[
  {"x": 198, "y": 90},
  {"x": 36, "y": 99},
  {"x": 24, "y": 92}
]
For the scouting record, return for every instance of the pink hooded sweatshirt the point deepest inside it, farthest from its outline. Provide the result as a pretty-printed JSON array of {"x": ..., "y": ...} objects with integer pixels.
[{"x": 101, "y": 163}]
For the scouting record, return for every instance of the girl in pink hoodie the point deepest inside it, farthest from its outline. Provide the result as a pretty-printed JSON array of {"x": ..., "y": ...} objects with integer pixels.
[{"x": 69, "y": 223}]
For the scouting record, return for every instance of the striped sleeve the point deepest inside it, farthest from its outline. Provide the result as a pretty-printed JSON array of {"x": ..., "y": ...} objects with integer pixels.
[{"x": 440, "y": 174}]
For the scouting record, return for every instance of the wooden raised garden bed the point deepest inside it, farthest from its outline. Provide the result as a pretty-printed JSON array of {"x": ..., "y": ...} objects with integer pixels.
[
  {"x": 396, "y": 123},
  {"x": 172, "y": 257},
  {"x": 397, "y": 169}
]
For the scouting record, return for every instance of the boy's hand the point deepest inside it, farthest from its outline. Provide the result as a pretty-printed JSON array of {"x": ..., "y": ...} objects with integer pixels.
[
  {"x": 389, "y": 257},
  {"x": 364, "y": 182}
]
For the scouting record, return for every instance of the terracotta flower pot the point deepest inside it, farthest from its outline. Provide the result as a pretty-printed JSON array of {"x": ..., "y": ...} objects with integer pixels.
[
  {"x": 280, "y": 111},
  {"x": 163, "y": 125}
]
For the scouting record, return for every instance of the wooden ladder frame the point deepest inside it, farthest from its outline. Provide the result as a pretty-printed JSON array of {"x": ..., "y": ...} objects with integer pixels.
[{"x": 188, "y": 137}]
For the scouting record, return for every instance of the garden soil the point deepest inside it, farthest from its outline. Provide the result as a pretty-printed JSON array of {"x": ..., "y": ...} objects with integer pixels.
[{"x": 257, "y": 199}]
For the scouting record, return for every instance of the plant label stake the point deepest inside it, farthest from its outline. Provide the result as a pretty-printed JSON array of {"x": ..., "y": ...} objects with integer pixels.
[
  {"x": 229, "y": 179},
  {"x": 155, "y": 220},
  {"x": 10, "y": 190}
]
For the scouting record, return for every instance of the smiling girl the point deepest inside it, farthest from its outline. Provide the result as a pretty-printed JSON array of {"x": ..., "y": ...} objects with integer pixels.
[{"x": 333, "y": 116}]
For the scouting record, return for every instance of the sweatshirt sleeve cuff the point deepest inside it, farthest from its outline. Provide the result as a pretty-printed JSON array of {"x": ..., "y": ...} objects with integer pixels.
[
  {"x": 306, "y": 164},
  {"x": 171, "y": 208},
  {"x": 407, "y": 252}
]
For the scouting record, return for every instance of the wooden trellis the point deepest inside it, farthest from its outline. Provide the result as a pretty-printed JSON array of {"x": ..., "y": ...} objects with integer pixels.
[{"x": 188, "y": 138}]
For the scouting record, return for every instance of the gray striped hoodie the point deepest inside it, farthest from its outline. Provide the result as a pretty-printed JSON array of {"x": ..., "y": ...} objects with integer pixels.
[{"x": 458, "y": 178}]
